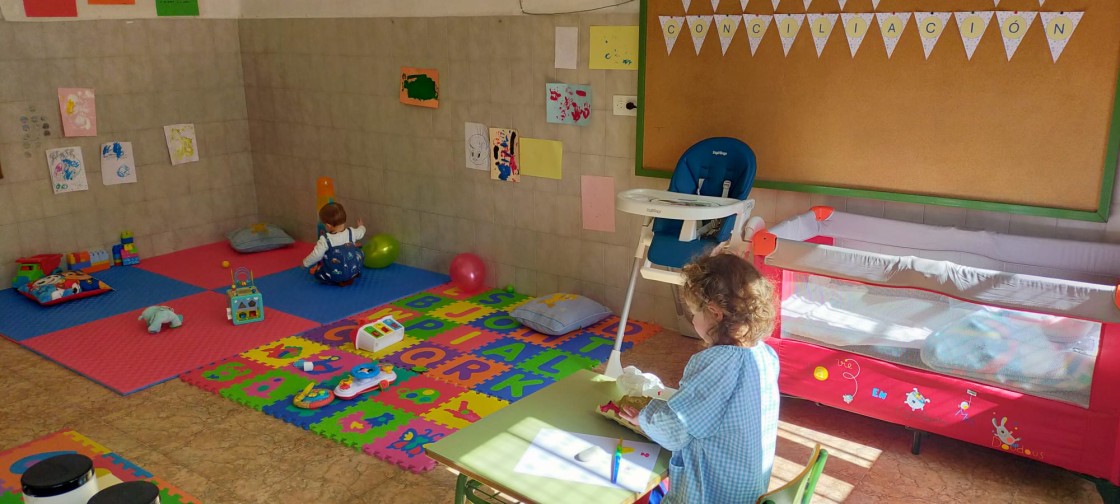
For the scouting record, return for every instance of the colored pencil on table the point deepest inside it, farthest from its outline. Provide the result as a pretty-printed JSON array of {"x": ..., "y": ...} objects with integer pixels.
[{"x": 617, "y": 461}]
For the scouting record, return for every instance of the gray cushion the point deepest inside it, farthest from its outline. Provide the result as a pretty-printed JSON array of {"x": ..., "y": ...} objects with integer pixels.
[
  {"x": 557, "y": 314},
  {"x": 258, "y": 238}
]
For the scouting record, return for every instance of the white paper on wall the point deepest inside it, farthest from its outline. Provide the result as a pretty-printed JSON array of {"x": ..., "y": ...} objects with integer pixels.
[
  {"x": 686, "y": 4},
  {"x": 756, "y": 25},
  {"x": 567, "y": 47},
  {"x": 855, "y": 29},
  {"x": 1013, "y": 26},
  {"x": 671, "y": 27},
  {"x": 68, "y": 171},
  {"x": 118, "y": 166},
  {"x": 476, "y": 139},
  {"x": 698, "y": 26},
  {"x": 726, "y": 26},
  {"x": 972, "y": 26},
  {"x": 789, "y": 25},
  {"x": 182, "y": 144},
  {"x": 930, "y": 27},
  {"x": 891, "y": 26},
  {"x": 1059, "y": 27},
  {"x": 821, "y": 29}
]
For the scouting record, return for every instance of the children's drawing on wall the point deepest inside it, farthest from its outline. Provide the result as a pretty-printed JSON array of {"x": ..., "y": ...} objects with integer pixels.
[
  {"x": 68, "y": 172},
  {"x": 79, "y": 112},
  {"x": 505, "y": 155},
  {"x": 614, "y": 48},
  {"x": 568, "y": 104},
  {"x": 181, "y": 143},
  {"x": 34, "y": 127},
  {"x": 420, "y": 87},
  {"x": 477, "y": 140},
  {"x": 117, "y": 164},
  {"x": 176, "y": 7}
]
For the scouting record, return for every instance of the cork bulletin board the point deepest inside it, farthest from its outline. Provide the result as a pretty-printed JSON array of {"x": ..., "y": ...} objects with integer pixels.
[{"x": 1028, "y": 135}]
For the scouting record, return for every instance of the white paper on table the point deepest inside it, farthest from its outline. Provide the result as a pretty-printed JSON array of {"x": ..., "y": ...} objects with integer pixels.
[
  {"x": 567, "y": 46},
  {"x": 552, "y": 454}
]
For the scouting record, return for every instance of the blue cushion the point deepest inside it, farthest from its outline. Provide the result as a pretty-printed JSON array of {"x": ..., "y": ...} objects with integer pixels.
[
  {"x": 557, "y": 314},
  {"x": 258, "y": 238}
]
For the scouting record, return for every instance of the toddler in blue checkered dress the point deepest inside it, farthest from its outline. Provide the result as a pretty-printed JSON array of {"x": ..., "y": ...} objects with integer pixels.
[{"x": 722, "y": 423}]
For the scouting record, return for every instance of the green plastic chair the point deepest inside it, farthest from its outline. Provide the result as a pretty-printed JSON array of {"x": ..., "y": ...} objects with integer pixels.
[{"x": 799, "y": 490}]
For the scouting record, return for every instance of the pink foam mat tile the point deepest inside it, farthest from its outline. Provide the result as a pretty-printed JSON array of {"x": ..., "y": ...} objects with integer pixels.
[
  {"x": 405, "y": 446},
  {"x": 202, "y": 266},
  {"x": 119, "y": 353}
]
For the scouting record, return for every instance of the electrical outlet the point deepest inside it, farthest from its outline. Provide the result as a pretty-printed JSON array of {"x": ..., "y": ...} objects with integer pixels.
[{"x": 625, "y": 105}]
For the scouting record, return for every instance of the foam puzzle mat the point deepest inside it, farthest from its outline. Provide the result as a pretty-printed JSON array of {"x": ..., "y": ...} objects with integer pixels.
[
  {"x": 110, "y": 468},
  {"x": 463, "y": 358}
]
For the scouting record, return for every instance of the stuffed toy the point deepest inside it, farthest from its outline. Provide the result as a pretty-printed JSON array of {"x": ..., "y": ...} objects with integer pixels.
[{"x": 156, "y": 316}]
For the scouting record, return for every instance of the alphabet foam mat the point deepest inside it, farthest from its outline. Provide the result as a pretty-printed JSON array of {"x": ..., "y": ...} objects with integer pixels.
[
  {"x": 463, "y": 358},
  {"x": 111, "y": 468}
]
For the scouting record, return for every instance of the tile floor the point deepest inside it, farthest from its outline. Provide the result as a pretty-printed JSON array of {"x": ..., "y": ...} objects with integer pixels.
[{"x": 224, "y": 453}]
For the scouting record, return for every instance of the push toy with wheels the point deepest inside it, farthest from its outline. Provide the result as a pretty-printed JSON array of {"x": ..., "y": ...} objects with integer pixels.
[{"x": 364, "y": 378}]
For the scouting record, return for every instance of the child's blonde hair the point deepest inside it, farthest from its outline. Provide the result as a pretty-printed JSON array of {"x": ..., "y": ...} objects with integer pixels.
[{"x": 733, "y": 286}]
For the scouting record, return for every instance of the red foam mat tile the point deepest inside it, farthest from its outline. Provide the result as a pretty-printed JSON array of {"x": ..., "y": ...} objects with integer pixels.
[
  {"x": 119, "y": 353},
  {"x": 202, "y": 266}
]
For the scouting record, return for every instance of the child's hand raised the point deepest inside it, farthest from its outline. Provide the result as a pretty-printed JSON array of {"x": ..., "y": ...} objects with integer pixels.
[
  {"x": 630, "y": 413},
  {"x": 360, "y": 223}
]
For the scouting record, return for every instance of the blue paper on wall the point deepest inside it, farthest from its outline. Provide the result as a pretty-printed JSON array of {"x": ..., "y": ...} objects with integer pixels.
[{"x": 568, "y": 104}]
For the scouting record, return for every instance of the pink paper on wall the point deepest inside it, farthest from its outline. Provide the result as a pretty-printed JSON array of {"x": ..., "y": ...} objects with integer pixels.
[
  {"x": 598, "y": 203},
  {"x": 79, "y": 112}
]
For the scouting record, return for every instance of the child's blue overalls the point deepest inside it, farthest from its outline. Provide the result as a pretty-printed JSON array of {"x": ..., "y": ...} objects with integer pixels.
[{"x": 341, "y": 263}]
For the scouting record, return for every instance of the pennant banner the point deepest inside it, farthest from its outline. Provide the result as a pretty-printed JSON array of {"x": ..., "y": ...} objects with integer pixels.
[
  {"x": 821, "y": 26},
  {"x": 698, "y": 26},
  {"x": 997, "y": 3},
  {"x": 788, "y": 27},
  {"x": 842, "y": 2},
  {"x": 1013, "y": 26},
  {"x": 671, "y": 28},
  {"x": 855, "y": 28},
  {"x": 715, "y": 5},
  {"x": 775, "y": 2},
  {"x": 891, "y": 26},
  {"x": 756, "y": 26},
  {"x": 1059, "y": 27},
  {"x": 972, "y": 26},
  {"x": 686, "y": 4},
  {"x": 808, "y": 3},
  {"x": 930, "y": 26},
  {"x": 874, "y": 4},
  {"x": 743, "y": 4},
  {"x": 726, "y": 26}
]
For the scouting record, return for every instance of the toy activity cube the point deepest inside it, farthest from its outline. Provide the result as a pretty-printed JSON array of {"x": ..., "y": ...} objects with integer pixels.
[
  {"x": 245, "y": 301},
  {"x": 378, "y": 334}
]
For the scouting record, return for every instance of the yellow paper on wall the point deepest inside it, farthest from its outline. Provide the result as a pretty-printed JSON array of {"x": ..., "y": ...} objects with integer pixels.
[
  {"x": 541, "y": 158},
  {"x": 614, "y": 48}
]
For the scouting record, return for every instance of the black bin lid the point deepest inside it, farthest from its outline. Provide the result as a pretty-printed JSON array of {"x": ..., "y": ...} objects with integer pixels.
[
  {"x": 132, "y": 492},
  {"x": 57, "y": 475}
]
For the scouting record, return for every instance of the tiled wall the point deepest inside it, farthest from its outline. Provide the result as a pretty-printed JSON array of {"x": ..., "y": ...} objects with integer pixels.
[
  {"x": 322, "y": 101},
  {"x": 146, "y": 74}
]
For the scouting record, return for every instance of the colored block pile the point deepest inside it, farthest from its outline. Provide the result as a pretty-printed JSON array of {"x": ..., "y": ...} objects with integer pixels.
[{"x": 462, "y": 358}]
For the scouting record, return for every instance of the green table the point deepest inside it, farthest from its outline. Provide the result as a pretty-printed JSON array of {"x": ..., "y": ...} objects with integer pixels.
[{"x": 489, "y": 449}]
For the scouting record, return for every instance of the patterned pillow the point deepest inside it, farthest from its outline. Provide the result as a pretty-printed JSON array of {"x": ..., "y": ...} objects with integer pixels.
[
  {"x": 258, "y": 238},
  {"x": 63, "y": 287},
  {"x": 557, "y": 314}
]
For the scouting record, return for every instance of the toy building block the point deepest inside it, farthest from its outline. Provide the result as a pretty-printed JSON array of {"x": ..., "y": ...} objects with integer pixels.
[
  {"x": 379, "y": 334},
  {"x": 89, "y": 261},
  {"x": 35, "y": 267},
  {"x": 245, "y": 302},
  {"x": 125, "y": 254}
]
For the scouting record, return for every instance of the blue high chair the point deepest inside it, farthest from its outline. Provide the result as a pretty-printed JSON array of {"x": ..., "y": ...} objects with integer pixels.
[{"x": 705, "y": 208}]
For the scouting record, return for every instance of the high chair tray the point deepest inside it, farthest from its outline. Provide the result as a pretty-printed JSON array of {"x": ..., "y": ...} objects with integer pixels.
[{"x": 673, "y": 205}]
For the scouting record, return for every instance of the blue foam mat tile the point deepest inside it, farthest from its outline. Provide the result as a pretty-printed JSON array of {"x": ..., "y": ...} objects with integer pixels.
[
  {"x": 296, "y": 292},
  {"x": 133, "y": 289}
]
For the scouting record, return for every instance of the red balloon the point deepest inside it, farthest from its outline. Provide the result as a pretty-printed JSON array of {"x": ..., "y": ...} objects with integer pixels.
[{"x": 468, "y": 272}]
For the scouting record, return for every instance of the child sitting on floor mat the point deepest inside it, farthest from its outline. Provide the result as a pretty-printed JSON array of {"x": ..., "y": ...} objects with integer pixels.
[{"x": 336, "y": 258}]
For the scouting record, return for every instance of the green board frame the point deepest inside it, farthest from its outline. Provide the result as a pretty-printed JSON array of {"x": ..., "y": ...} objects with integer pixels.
[{"x": 1100, "y": 215}]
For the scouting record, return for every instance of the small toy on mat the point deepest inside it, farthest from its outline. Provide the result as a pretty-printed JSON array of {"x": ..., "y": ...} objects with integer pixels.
[
  {"x": 313, "y": 398},
  {"x": 245, "y": 302},
  {"x": 156, "y": 316},
  {"x": 364, "y": 378},
  {"x": 379, "y": 334},
  {"x": 125, "y": 254},
  {"x": 35, "y": 267},
  {"x": 611, "y": 410}
]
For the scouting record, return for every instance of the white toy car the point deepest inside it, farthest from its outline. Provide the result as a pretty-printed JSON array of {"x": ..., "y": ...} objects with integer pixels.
[{"x": 364, "y": 378}]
